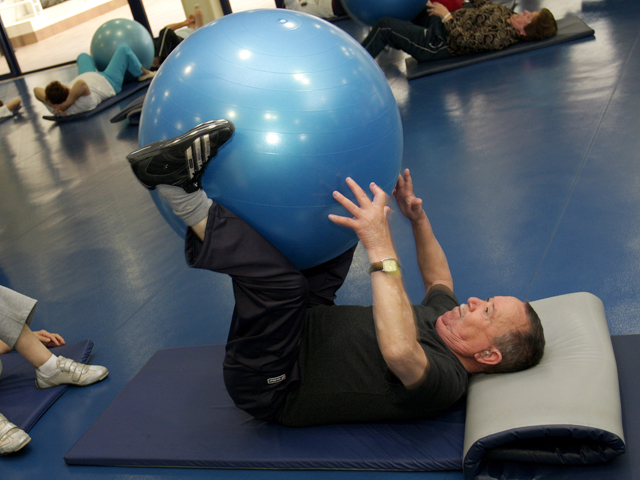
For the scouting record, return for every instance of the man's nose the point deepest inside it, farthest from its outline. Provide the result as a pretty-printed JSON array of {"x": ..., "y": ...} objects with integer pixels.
[{"x": 473, "y": 303}]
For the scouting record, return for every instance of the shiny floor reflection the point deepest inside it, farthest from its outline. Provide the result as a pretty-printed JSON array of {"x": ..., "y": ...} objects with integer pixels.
[{"x": 528, "y": 167}]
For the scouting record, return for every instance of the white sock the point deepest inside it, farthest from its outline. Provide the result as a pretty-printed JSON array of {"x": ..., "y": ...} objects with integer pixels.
[
  {"x": 49, "y": 367},
  {"x": 190, "y": 207}
]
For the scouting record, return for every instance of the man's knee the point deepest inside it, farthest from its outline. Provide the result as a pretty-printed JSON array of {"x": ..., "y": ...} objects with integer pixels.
[{"x": 262, "y": 396}]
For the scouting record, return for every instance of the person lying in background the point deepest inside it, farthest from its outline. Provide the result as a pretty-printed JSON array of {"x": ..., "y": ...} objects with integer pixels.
[
  {"x": 484, "y": 27},
  {"x": 90, "y": 87}
]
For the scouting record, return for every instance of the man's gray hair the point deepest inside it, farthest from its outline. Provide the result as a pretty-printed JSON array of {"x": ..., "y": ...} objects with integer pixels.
[{"x": 520, "y": 350}]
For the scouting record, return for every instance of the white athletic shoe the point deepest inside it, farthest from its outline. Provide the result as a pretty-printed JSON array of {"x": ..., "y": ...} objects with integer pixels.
[
  {"x": 69, "y": 372},
  {"x": 12, "y": 438},
  {"x": 146, "y": 76}
]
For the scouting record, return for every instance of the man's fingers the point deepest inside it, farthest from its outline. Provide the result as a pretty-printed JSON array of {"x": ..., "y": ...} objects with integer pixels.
[
  {"x": 345, "y": 202},
  {"x": 407, "y": 178},
  {"x": 379, "y": 195},
  {"x": 338, "y": 220},
  {"x": 362, "y": 197},
  {"x": 364, "y": 202}
]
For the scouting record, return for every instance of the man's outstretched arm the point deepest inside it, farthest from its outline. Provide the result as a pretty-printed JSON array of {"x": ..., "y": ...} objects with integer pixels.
[
  {"x": 432, "y": 261},
  {"x": 392, "y": 312}
]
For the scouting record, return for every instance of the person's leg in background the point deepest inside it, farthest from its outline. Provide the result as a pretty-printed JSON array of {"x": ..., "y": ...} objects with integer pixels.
[
  {"x": 16, "y": 314},
  {"x": 422, "y": 43},
  {"x": 164, "y": 44},
  {"x": 10, "y": 108},
  {"x": 123, "y": 61},
  {"x": 85, "y": 63}
]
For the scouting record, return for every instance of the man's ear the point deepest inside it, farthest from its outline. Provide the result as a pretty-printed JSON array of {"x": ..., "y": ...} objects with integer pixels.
[{"x": 490, "y": 356}]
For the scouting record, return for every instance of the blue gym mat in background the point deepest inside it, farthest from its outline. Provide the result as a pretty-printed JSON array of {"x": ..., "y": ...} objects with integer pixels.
[{"x": 20, "y": 400}]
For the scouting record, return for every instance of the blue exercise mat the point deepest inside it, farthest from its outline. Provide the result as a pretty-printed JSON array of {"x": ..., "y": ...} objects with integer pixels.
[
  {"x": 569, "y": 29},
  {"x": 176, "y": 412},
  {"x": 20, "y": 400},
  {"x": 128, "y": 89}
]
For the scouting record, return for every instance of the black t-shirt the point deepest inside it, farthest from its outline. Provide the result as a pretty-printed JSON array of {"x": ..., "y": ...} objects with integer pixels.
[{"x": 344, "y": 378}]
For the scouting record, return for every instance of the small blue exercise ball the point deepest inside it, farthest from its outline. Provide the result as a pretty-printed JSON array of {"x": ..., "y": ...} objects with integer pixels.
[
  {"x": 121, "y": 31},
  {"x": 310, "y": 108},
  {"x": 368, "y": 12}
]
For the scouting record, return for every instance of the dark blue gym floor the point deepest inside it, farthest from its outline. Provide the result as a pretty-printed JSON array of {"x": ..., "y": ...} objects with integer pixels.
[{"x": 528, "y": 165}]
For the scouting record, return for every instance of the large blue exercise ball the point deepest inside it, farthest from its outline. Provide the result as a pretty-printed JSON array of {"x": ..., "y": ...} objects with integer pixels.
[
  {"x": 121, "y": 31},
  {"x": 310, "y": 107},
  {"x": 368, "y": 12}
]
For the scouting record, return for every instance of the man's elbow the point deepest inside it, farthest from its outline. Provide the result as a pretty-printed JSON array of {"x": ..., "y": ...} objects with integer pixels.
[
  {"x": 406, "y": 363},
  {"x": 397, "y": 355}
]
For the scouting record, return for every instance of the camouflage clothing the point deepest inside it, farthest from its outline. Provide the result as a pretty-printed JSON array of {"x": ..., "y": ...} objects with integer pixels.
[{"x": 484, "y": 27}]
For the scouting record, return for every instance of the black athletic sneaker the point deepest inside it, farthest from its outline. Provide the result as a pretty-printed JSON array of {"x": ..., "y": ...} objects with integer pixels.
[{"x": 180, "y": 161}]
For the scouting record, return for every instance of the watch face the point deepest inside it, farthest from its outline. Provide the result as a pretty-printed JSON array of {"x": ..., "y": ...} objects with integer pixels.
[{"x": 390, "y": 265}]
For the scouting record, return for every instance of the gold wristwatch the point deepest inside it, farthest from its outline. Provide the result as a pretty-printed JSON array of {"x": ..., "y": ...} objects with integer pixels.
[{"x": 387, "y": 265}]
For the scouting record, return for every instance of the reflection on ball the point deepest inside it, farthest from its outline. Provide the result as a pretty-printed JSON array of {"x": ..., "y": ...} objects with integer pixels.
[{"x": 310, "y": 107}]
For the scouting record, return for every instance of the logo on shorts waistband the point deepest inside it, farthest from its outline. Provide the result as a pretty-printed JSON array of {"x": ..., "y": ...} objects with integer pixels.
[{"x": 278, "y": 379}]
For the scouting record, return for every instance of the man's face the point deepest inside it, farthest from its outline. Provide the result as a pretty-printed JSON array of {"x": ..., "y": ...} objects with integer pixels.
[
  {"x": 472, "y": 327},
  {"x": 521, "y": 20}
]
